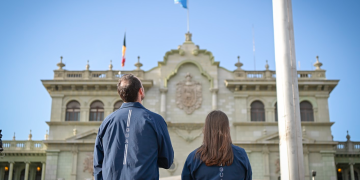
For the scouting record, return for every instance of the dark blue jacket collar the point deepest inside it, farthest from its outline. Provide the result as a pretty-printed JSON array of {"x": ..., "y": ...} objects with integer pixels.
[{"x": 132, "y": 104}]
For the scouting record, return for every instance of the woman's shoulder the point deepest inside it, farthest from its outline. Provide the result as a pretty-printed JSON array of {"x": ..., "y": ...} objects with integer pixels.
[
  {"x": 238, "y": 151},
  {"x": 192, "y": 155}
]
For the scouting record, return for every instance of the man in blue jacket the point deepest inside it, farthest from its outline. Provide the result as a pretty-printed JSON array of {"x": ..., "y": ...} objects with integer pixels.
[{"x": 132, "y": 142}]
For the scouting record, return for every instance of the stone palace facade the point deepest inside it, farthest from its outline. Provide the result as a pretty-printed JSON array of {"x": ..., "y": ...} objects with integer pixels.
[{"x": 183, "y": 88}]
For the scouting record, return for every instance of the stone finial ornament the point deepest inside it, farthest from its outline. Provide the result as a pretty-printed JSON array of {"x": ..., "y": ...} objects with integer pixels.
[
  {"x": 348, "y": 136},
  {"x": 239, "y": 64},
  {"x": 47, "y": 135},
  {"x": 30, "y": 136},
  {"x": 188, "y": 37},
  {"x": 318, "y": 64},
  {"x": 138, "y": 64},
  {"x": 267, "y": 65},
  {"x": 110, "y": 66},
  {"x": 87, "y": 67},
  {"x": 60, "y": 64},
  {"x": 14, "y": 138}
]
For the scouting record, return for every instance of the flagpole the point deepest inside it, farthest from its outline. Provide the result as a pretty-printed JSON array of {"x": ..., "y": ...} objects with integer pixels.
[{"x": 188, "y": 24}]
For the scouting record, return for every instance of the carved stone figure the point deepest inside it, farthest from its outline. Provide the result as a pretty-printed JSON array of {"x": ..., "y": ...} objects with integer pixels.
[
  {"x": 88, "y": 164},
  {"x": 188, "y": 94}
]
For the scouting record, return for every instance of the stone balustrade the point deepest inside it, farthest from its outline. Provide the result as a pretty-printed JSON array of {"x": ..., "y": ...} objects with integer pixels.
[
  {"x": 93, "y": 75},
  {"x": 113, "y": 74},
  {"x": 272, "y": 74},
  {"x": 23, "y": 145},
  {"x": 348, "y": 147}
]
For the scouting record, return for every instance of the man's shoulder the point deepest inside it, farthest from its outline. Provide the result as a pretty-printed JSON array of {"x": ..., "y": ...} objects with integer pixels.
[{"x": 154, "y": 115}]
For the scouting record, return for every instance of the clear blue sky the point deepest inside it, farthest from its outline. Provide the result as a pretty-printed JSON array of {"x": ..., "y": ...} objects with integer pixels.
[{"x": 34, "y": 34}]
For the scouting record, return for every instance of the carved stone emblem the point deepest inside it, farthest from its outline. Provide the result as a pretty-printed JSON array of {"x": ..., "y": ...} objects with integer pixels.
[
  {"x": 88, "y": 164},
  {"x": 188, "y": 94}
]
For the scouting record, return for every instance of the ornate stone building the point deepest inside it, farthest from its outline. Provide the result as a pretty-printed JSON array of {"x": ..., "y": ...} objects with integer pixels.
[{"x": 183, "y": 88}]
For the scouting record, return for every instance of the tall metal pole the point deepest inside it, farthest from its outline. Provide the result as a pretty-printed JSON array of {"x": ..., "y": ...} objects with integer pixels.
[
  {"x": 188, "y": 18},
  {"x": 290, "y": 144}
]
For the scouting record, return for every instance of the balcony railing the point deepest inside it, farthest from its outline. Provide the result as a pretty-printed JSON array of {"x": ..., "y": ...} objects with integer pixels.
[
  {"x": 79, "y": 75},
  {"x": 302, "y": 75},
  {"x": 348, "y": 147},
  {"x": 23, "y": 145}
]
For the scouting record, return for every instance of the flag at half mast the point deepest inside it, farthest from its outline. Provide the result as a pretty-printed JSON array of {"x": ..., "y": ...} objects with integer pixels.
[
  {"x": 123, "y": 52},
  {"x": 182, "y": 2}
]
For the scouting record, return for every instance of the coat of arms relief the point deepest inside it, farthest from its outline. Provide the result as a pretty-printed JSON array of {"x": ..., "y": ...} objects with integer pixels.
[{"x": 188, "y": 94}]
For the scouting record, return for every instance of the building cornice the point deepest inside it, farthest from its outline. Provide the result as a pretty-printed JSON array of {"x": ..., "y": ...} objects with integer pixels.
[
  {"x": 276, "y": 143},
  {"x": 276, "y": 124},
  {"x": 72, "y": 123},
  {"x": 308, "y": 85}
]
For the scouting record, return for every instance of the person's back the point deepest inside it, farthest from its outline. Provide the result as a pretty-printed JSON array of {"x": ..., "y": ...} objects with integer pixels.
[
  {"x": 217, "y": 158},
  {"x": 132, "y": 143}
]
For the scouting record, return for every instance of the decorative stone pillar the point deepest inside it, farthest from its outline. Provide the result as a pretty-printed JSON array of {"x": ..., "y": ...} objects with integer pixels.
[
  {"x": 163, "y": 92},
  {"x": 268, "y": 114},
  {"x": 27, "y": 164},
  {"x": 352, "y": 175},
  {"x": 214, "y": 92},
  {"x": 266, "y": 162},
  {"x": 74, "y": 163},
  {"x": 84, "y": 112},
  {"x": 43, "y": 170},
  {"x": 306, "y": 162},
  {"x": 11, "y": 170}
]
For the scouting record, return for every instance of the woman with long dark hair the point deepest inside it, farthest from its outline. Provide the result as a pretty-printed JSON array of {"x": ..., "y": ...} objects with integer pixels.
[{"x": 217, "y": 158}]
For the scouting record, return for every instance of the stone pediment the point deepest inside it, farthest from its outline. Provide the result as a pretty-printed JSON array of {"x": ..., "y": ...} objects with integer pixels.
[
  {"x": 88, "y": 135},
  {"x": 274, "y": 138}
]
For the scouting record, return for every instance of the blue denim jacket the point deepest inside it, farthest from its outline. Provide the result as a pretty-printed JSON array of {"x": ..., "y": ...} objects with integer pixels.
[{"x": 132, "y": 143}]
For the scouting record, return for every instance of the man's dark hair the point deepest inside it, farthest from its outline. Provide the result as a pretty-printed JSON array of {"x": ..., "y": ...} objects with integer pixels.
[{"x": 128, "y": 88}]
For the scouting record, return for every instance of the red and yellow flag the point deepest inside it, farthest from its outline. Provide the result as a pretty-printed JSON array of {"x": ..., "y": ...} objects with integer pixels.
[{"x": 123, "y": 52}]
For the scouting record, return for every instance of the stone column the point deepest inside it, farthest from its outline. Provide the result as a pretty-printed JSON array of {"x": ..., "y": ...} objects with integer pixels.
[
  {"x": 74, "y": 164},
  {"x": 11, "y": 170},
  {"x": 306, "y": 163},
  {"x": 84, "y": 113},
  {"x": 214, "y": 92},
  {"x": 52, "y": 157},
  {"x": 163, "y": 92},
  {"x": 352, "y": 175},
  {"x": 43, "y": 171},
  {"x": 266, "y": 162},
  {"x": 27, "y": 164},
  {"x": 290, "y": 143},
  {"x": 268, "y": 116},
  {"x": 2, "y": 171}
]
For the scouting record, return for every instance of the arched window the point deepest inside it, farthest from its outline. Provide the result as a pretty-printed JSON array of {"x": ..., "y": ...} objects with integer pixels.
[
  {"x": 97, "y": 111},
  {"x": 276, "y": 112},
  {"x": 306, "y": 111},
  {"x": 117, "y": 105},
  {"x": 72, "y": 111},
  {"x": 257, "y": 111}
]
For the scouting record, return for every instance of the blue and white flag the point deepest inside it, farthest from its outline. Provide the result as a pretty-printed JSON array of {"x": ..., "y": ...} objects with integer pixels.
[{"x": 182, "y": 2}]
